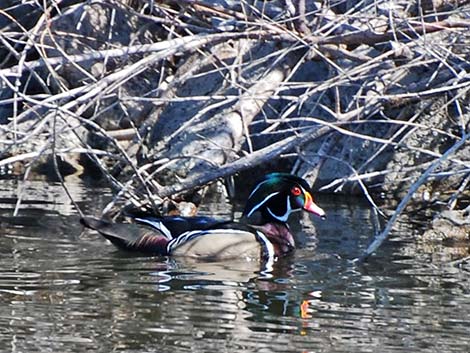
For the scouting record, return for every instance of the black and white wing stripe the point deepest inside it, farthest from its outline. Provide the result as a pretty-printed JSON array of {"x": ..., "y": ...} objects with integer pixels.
[{"x": 157, "y": 224}]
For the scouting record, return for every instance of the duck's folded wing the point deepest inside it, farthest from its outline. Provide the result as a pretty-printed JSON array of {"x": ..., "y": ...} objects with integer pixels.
[{"x": 173, "y": 226}]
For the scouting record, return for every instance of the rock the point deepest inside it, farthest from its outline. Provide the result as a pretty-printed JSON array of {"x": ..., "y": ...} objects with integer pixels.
[{"x": 451, "y": 225}]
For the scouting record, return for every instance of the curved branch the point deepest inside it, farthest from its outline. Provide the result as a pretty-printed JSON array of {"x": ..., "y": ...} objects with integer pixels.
[{"x": 380, "y": 238}]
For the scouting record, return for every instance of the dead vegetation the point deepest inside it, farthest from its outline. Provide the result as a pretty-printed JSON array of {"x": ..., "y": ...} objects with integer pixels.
[{"x": 165, "y": 97}]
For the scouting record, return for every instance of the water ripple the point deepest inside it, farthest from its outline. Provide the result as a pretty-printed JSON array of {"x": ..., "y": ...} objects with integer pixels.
[{"x": 62, "y": 290}]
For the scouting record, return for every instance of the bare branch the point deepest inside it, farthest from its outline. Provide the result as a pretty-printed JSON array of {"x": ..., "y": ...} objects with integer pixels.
[{"x": 380, "y": 238}]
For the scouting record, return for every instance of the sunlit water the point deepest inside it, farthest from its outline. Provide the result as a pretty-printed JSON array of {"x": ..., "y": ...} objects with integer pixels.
[{"x": 64, "y": 290}]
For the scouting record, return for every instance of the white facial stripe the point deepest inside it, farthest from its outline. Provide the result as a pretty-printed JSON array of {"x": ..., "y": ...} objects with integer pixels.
[
  {"x": 262, "y": 203},
  {"x": 257, "y": 187},
  {"x": 284, "y": 217}
]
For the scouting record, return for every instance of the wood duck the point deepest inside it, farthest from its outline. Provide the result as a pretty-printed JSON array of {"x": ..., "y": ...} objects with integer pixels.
[{"x": 262, "y": 232}]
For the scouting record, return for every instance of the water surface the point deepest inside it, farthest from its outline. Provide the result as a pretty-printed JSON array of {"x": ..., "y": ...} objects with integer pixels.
[{"x": 65, "y": 290}]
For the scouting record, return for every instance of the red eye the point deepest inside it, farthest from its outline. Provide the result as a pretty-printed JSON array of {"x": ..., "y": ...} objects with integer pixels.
[{"x": 296, "y": 191}]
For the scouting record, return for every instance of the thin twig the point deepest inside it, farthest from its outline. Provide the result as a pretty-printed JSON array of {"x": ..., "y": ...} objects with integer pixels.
[
  {"x": 180, "y": 44},
  {"x": 56, "y": 167},
  {"x": 380, "y": 238}
]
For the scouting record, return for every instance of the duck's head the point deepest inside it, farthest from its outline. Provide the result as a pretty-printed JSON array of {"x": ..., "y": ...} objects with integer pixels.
[{"x": 276, "y": 196}]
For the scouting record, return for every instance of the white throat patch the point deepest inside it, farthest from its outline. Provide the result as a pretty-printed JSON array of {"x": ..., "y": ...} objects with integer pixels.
[{"x": 285, "y": 216}]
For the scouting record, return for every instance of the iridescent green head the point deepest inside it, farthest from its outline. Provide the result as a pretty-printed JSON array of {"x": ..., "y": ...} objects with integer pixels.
[{"x": 277, "y": 195}]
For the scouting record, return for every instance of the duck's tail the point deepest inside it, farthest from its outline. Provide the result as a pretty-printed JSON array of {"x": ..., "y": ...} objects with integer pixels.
[{"x": 129, "y": 236}]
